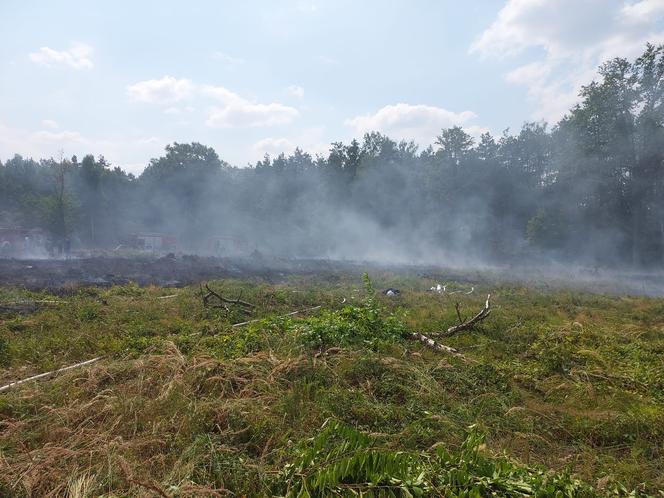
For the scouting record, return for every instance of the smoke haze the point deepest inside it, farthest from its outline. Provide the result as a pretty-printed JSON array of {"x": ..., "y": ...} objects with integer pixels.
[{"x": 587, "y": 191}]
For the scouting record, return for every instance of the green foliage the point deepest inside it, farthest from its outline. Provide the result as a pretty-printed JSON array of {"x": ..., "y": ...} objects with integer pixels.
[
  {"x": 556, "y": 353},
  {"x": 88, "y": 312},
  {"x": 471, "y": 473},
  {"x": 557, "y": 379},
  {"x": 342, "y": 461},
  {"x": 5, "y": 355},
  {"x": 545, "y": 229},
  {"x": 368, "y": 324}
]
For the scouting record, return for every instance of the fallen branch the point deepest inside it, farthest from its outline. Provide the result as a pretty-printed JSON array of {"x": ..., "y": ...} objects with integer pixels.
[
  {"x": 281, "y": 316},
  {"x": 436, "y": 346},
  {"x": 238, "y": 301},
  {"x": 222, "y": 301},
  {"x": 210, "y": 294},
  {"x": 472, "y": 289},
  {"x": 47, "y": 374},
  {"x": 469, "y": 324}
]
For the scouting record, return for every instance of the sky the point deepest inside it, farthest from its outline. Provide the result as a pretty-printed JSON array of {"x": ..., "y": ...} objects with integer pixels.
[{"x": 122, "y": 79}]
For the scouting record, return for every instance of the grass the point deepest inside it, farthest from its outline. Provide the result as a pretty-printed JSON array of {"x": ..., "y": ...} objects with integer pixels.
[{"x": 566, "y": 388}]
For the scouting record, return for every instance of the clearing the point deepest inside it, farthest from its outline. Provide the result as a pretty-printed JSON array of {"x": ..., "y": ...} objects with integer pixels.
[{"x": 556, "y": 391}]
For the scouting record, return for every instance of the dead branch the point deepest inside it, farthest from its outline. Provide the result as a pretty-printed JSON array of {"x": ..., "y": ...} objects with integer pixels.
[
  {"x": 472, "y": 289},
  {"x": 210, "y": 294},
  {"x": 436, "y": 346},
  {"x": 48, "y": 374},
  {"x": 221, "y": 301},
  {"x": 458, "y": 311},
  {"x": 468, "y": 324},
  {"x": 238, "y": 301}
]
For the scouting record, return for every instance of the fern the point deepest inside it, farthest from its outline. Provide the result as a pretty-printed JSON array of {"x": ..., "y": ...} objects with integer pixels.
[{"x": 342, "y": 461}]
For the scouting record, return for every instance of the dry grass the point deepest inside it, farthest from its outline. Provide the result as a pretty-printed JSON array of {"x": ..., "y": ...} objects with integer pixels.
[{"x": 187, "y": 406}]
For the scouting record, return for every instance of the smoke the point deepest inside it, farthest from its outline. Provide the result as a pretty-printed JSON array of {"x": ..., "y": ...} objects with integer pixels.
[{"x": 587, "y": 192}]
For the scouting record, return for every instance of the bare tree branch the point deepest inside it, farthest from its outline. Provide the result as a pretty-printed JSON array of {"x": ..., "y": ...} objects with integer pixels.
[
  {"x": 436, "y": 346},
  {"x": 221, "y": 301},
  {"x": 48, "y": 374},
  {"x": 469, "y": 324}
]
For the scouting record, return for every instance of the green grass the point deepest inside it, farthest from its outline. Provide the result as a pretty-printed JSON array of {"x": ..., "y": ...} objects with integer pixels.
[{"x": 566, "y": 388}]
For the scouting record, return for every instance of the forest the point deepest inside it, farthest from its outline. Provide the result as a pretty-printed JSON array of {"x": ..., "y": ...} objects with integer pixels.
[{"x": 586, "y": 190}]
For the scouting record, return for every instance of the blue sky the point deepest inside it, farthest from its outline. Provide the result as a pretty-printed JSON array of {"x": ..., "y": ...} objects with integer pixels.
[{"x": 123, "y": 78}]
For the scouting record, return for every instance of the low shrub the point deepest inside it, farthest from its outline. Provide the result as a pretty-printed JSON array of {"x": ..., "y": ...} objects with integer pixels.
[{"x": 367, "y": 324}]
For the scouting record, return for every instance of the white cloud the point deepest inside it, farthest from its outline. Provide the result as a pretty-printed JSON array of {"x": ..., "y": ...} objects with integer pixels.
[
  {"x": 644, "y": 10},
  {"x": 560, "y": 27},
  {"x": 573, "y": 37},
  {"x": 42, "y": 143},
  {"x": 312, "y": 140},
  {"x": 228, "y": 59},
  {"x": 296, "y": 91},
  {"x": 166, "y": 90},
  {"x": 272, "y": 146},
  {"x": 50, "y": 123},
  {"x": 241, "y": 114},
  {"x": 421, "y": 123},
  {"x": 231, "y": 110},
  {"x": 79, "y": 56},
  {"x": 238, "y": 112},
  {"x": 176, "y": 111},
  {"x": 219, "y": 93},
  {"x": 58, "y": 136},
  {"x": 149, "y": 141},
  {"x": 121, "y": 151}
]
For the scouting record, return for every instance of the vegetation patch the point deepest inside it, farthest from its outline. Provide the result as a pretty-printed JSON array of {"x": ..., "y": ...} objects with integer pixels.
[{"x": 563, "y": 391}]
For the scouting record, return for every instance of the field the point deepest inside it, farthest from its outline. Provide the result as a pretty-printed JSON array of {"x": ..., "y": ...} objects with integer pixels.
[{"x": 557, "y": 393}]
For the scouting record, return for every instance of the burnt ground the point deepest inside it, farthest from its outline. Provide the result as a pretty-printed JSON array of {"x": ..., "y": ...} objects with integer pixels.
[
  {"x": 167, "y": 271},
  {"x": 181, "y": 270}
]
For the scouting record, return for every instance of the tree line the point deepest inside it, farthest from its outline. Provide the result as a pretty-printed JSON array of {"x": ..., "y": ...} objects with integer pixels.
[{"x": 588, "y": 189}]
